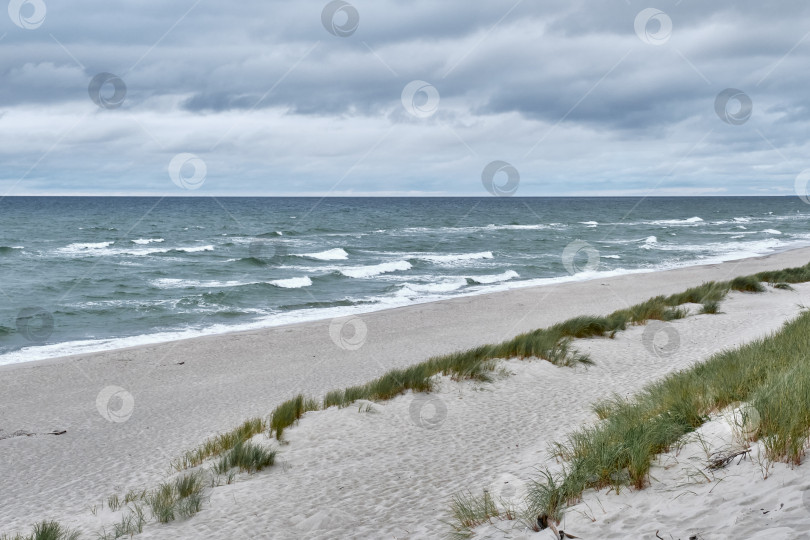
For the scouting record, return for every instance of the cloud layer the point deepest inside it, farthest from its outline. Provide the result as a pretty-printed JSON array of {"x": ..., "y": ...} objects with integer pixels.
[{"x": 581, "y": 98}]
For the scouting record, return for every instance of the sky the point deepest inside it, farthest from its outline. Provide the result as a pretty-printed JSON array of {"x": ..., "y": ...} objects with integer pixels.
[{"x": 417, "y": 98}]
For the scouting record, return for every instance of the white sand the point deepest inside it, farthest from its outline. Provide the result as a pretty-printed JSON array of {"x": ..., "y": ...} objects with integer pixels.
[{"x": 344, "y": 473}]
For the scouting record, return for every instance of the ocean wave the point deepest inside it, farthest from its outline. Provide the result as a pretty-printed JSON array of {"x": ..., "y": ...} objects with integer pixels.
[
  {"x": 292, "y": 283},
  {"x": 493, "y": 278},
  {"x": 175, "y": 283},
  {"x": 414, "y": 289},
  {"x": 490, "y": 227},
  {"x": 10, "y": 249},
  {"x": 610, "y": 257},
  {"x": 84, "y": 247},
  {"x": 589, "y": 223},
  {"x": 686, "y": 221},
  {"x": 772, "y": 231},
  {"x": 335, "y": 254},
  {"x": 456, "y": 257},
  {"x": 142, "y": 241},
  {"x": 649, "y": 242},
  {"x": 375, "y": 269}
]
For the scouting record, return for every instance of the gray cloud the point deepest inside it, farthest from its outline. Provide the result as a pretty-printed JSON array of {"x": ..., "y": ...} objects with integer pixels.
[{"x": 275, "y": 104}]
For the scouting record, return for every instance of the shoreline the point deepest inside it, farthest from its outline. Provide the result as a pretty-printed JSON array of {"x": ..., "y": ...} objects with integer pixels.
[
  {"x": 260, "y": 327},
  {"x": 181, "y": 393}
]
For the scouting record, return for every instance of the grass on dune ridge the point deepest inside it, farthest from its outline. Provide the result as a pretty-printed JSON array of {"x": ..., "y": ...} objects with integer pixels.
[
  {"x": 552, "y": 344},
  {"x": 771, "y": 374}
]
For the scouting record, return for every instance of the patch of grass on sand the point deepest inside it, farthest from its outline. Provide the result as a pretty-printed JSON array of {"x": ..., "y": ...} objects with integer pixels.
[
  {"x": 179, "y": 498},
  {"x": 289, "y": 412},
  {"x": 771, "y": 373},
  {"x": 247, "y": 457},
  {"x": 46, "y": 530},
  {"x": 711, "y": 307},
  {"x": 470, "y": 511},
  {"x": 219, "y": 444},
  {"x": 747, "y": 284}
]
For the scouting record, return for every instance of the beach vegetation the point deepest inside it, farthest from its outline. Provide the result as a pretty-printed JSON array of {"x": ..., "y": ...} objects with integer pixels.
[
  {"x": 179, "y": 498},
  {"x": 46, "y": 530},
  {"x": 246, "y": 456},
  {"x": 771, "y": 374}
]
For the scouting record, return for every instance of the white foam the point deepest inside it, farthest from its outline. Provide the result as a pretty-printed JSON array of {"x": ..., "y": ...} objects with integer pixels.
[
  {"x": 416, "y": 289},
  {"x": 375, "y": 269},
  {"x": 292, "y": 283},
  {"x": 495, "y": 278},
  {"x": 686, "y": 221},
  {"x": 772, "y": 231},
  {"x": 194, "y": 249},
  {"x": 589, "y": 223},
  {"x": 457, "y": 257},
  {"x": 649, "y": 242},
  {"x": 84, "y": 247},
  {"x": 335, "y": 254},
  {"x": 142, "y": 241},
  {"x": 173, "y": 283},
  {"x": 610, "y": 257}
]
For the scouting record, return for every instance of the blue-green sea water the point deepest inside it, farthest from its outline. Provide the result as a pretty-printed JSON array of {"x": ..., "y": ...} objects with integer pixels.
[{"x": 89, "y": 273}]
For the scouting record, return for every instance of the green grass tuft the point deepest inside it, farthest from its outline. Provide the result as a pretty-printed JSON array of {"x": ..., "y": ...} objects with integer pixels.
[
  {"x": 247, "y": 457},
  {"x": 180, "y": 498},
  {"x": 711, "y": 307},
  {"x": 747, "y": 284},
  {"x": 46, "y": 530},
  {"x": 289, "y": 412},
  {"x": 219, "y": 444}
]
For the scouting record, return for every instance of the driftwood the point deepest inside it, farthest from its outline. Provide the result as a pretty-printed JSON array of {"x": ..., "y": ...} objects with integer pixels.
[{"x": 719, "y": 460}]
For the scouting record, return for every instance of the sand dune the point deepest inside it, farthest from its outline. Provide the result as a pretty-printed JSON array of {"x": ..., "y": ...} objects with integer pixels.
[{"x": 346, "y": 473}]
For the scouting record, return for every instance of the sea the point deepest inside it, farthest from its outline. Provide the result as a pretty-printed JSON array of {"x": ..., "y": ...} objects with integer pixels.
[{"x": 83, "y": 274}]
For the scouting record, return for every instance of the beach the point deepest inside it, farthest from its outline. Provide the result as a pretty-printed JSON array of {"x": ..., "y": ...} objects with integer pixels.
[{"x": 345, "y": 473}]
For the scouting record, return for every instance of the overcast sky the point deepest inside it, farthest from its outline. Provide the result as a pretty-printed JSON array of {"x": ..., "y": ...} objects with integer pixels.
[{"x": 619, "y": 97}]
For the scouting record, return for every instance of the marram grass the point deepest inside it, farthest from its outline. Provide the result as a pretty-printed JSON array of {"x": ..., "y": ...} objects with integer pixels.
[{"x": 771, "y": 373}]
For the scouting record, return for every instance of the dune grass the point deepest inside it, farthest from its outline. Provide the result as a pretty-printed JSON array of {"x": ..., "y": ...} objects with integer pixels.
[
  {"x": 179, "y": 498},
  {"x": 772, "y": 373},
  {"x": 470, "y": 511},
  {"x": 219, "y": 444},
  {"x": 552, "y": 344},
  {"x": 46, "y": 530},
  {"x": 247, "y": 457}
]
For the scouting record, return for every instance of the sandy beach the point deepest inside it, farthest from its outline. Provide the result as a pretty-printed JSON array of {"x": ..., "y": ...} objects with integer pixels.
[{"x": 346, "y": 474}]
